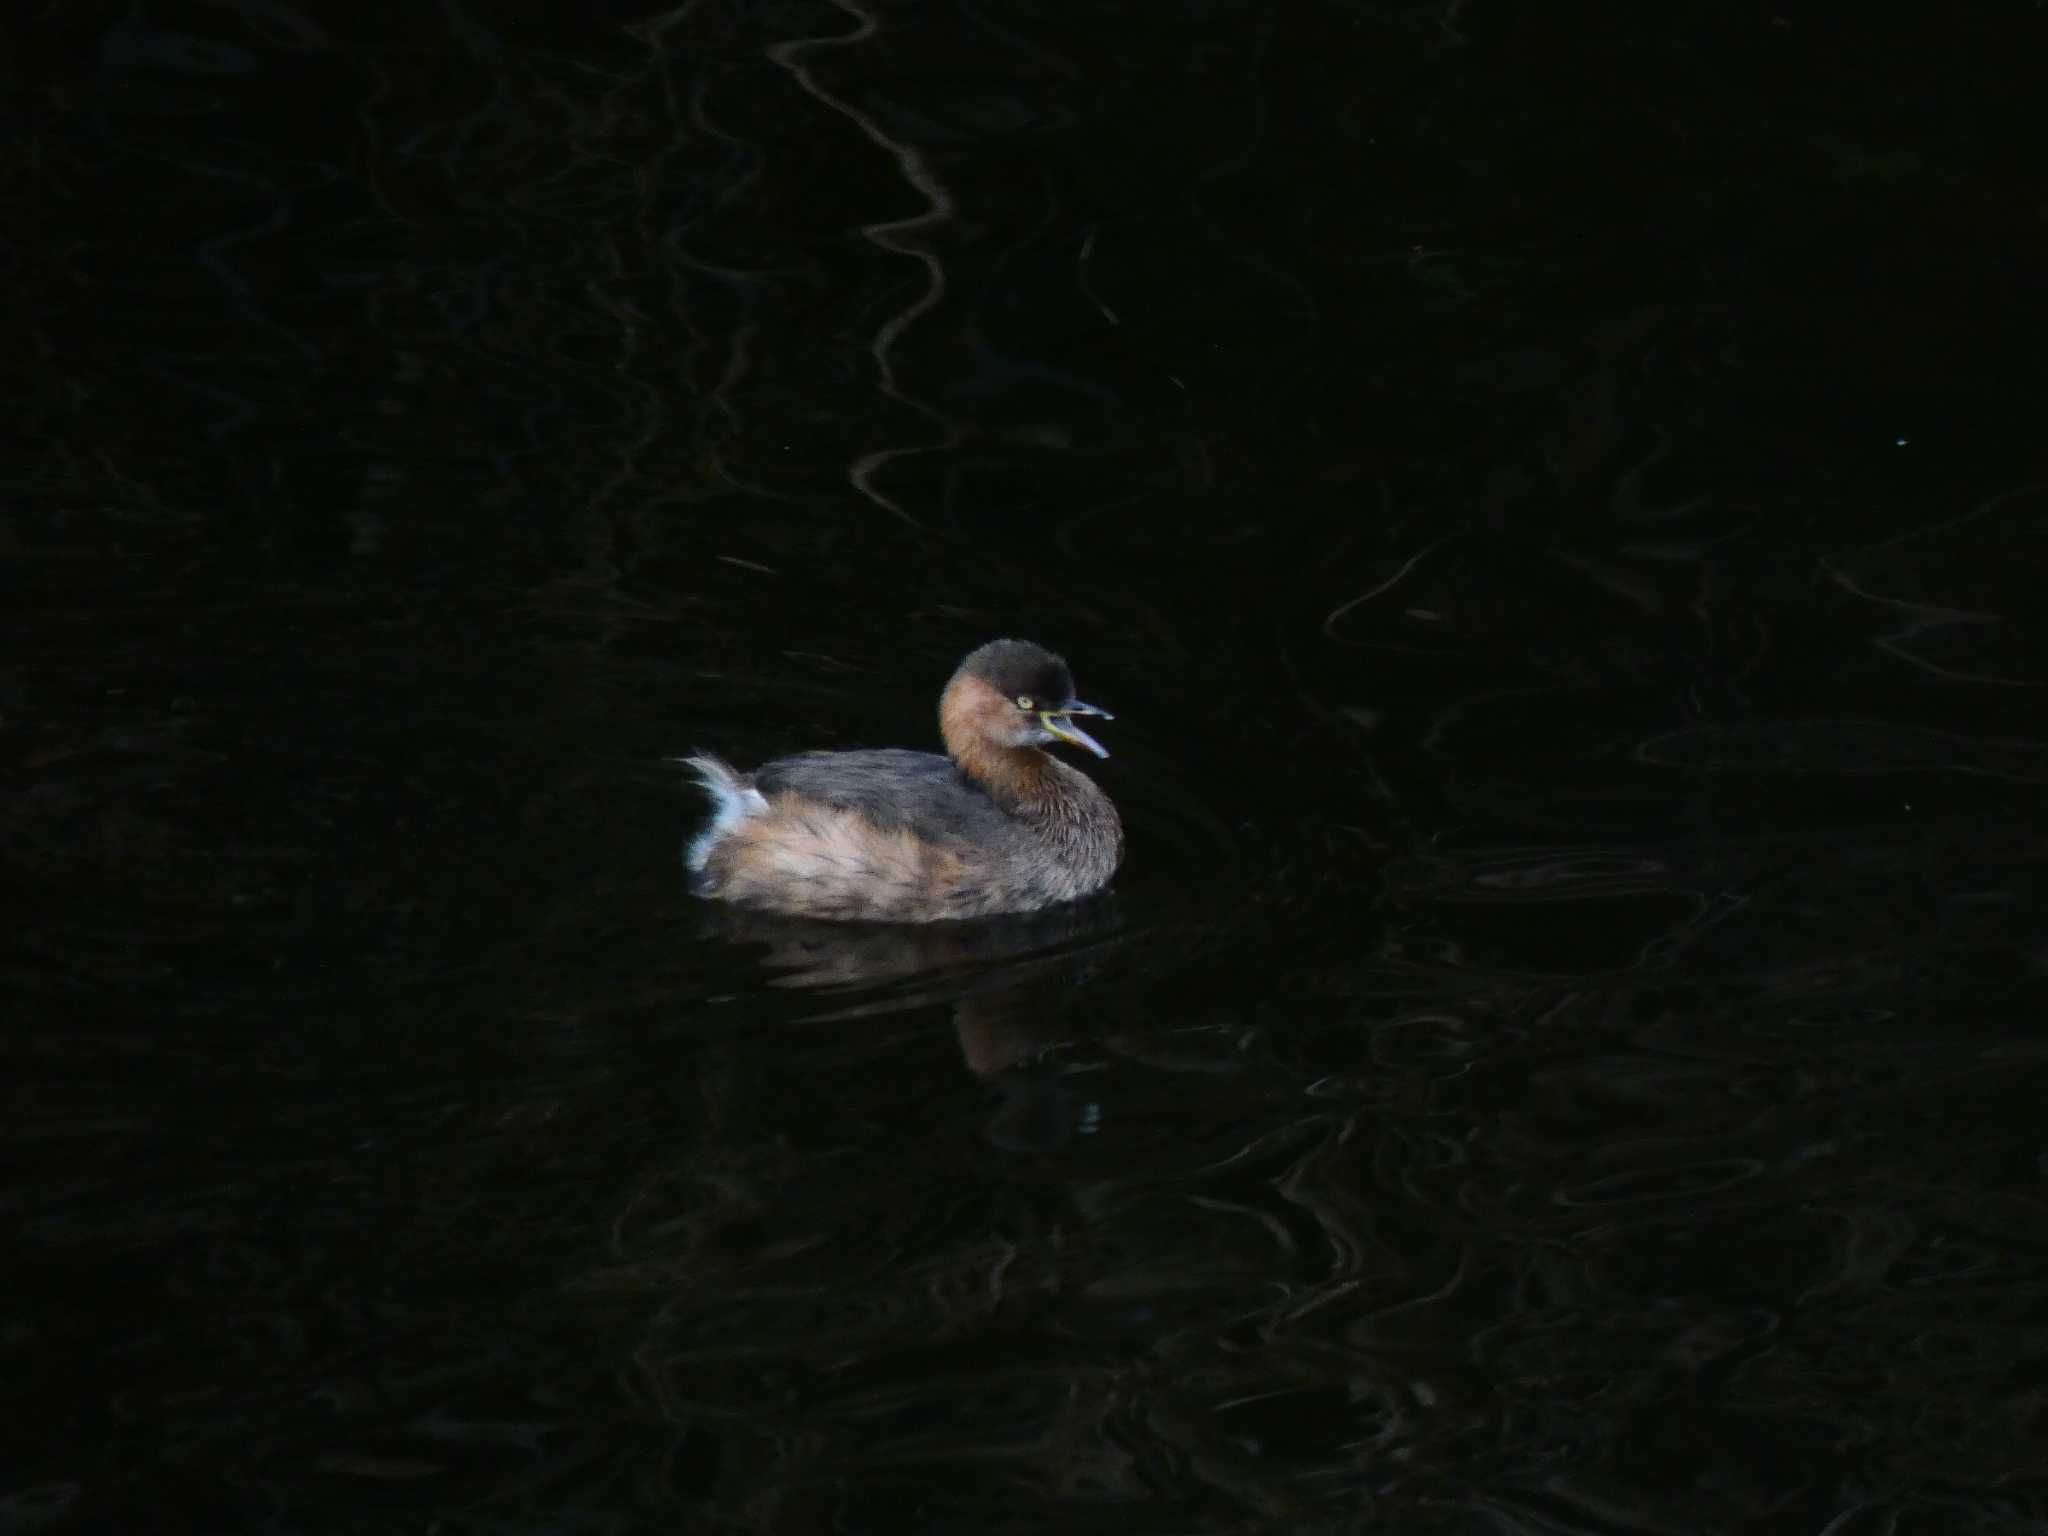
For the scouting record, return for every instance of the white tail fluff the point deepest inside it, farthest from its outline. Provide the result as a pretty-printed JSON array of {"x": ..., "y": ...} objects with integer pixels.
[{"x": 733, "y": 800}]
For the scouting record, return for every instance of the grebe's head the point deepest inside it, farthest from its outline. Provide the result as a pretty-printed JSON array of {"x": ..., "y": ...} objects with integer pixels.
[{"x": 1011, "y": 693}]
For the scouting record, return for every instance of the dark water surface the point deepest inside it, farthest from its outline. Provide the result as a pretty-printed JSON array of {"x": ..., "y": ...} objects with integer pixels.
[{"x": 1555, "y": 498}]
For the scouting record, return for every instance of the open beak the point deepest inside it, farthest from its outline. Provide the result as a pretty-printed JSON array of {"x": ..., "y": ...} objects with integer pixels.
[{"x": 1061, "y": 723}]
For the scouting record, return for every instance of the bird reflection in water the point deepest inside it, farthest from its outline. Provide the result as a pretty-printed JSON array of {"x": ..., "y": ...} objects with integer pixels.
[{"x": 1009, "y": 982}]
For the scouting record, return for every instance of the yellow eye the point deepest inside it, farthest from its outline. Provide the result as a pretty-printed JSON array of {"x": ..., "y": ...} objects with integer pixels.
[{"x": 1023, "y": 701}]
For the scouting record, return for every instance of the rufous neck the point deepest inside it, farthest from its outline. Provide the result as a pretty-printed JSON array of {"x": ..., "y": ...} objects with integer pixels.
[{"x": 968, "y": 712}]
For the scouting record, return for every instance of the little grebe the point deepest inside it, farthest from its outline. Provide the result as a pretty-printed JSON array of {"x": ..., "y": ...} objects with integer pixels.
[{"x": 911, "y": 837}]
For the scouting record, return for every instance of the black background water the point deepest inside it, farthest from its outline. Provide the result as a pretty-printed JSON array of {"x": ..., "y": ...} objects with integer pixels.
[{"x": 1554, "y": 496}]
